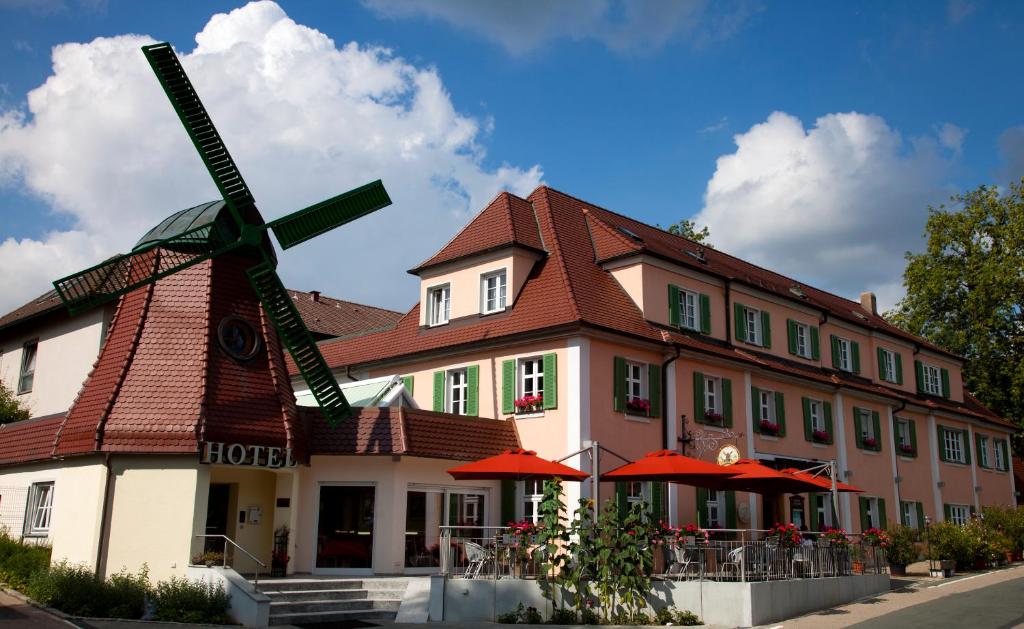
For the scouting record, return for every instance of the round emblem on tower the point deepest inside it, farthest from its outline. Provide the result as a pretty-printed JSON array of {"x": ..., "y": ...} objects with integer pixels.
[
  {"x": 728, "y": 455},
  {"x": 238, "y": 338}
]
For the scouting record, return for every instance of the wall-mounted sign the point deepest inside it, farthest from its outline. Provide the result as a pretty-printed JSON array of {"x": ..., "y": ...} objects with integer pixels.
[
  {"x": 215, "y": 452},
  {"x": 728, "y": 455}
]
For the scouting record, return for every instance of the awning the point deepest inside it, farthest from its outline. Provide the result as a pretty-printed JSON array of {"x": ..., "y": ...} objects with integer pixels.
[
  {"x": 517, "y": 464},
  {"x": 668, "y": 465},
  {"x": 824, "y": 482}
]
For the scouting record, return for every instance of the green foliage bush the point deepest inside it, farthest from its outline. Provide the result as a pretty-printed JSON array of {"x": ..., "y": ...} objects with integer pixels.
[
  {"x": 182, "y": 600},
  {"x": 19, "y": 561},
  {"x": 75, "y": 590},
  {"x": 901, "y": 549}
]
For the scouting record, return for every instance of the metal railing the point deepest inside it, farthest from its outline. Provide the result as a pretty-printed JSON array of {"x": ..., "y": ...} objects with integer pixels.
[
  {"x": 224, "y": 553},
  {"x": 729, "y": 555}
]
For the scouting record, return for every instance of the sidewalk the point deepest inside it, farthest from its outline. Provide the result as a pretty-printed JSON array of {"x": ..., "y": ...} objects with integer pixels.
[{"x": 16, "y": 613}]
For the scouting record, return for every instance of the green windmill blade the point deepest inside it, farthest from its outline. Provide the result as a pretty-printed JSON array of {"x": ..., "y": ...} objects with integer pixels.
[
  {"x": 299, "y": 342},
  {"x": 322, "y": 217}
]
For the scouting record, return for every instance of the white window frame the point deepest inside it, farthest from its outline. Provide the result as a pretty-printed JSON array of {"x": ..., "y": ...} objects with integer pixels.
[
  {"x": 867, "y": 425},
  {"x": 824, "y": 512},
  {"x": 873, "y": 519},
  {"x": 39, "y": 509},
  {"x": 767, "y": 406},
  {"x": 845, "y": 354},
  {"x": 636, "y": 387},
  {"x": 27, "y": 372},
  {"x": 439, "y": 313},
  {"x": 903, "y": 432},
  {"x": 817, "y": 411},
  {"x": 715, "y": 508},
  {"x": 456, "y": 382},
  {"x": 713, "y": 395},
  {"x": 932, "y": 376},
  {"x": 953, "y": 444},
  {"x": 909, "y": 512},
  {"x": 959, "y": 514},
  {"x": 689, "y": 310},
  {"x": 500, "y": 289},
  {"x": 538, "y": 375},
  {"x": 802, "y": 333},
  {"x": 638, "y": 491},
  {"x": 983, "y": 458},
  {"x": 528, "y": 496},
  {"x": 752, "y": 322},
  {"x": 998, "y": 455},
  {"x": 889, "y": 364}
]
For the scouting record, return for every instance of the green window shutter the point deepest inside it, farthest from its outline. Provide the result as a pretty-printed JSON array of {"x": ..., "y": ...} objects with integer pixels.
[
  {"x": 967, "y": 446},
  {"x": 920, "y": 515},
  {"x": 727, "y": 402},
  {"x": 827, "y": 409},
  {"x": 876, "y": 422},
  {"x": 808, "y": 428},
  {"x": 881, "y": 365},
  {"x": 702, "y": 507},
  {"x": 739, "y": 322},
  {"x": 550, "y": 381},
  {"x": 766, "y": 329},
  {"x": 815, "y": 344},
  {"x": 1005, "y": 447},
  {"x": 621, "y": 499},
  {"x": 439, "y": 391},
  {"x": 619, "y": 385},
  {"x": 835, "y": 350},
  {"x": 900, "y": 514},
  {"x": 858, "y": 428},
  {"x": 899, "y": 368},
  {"x": 945, "y": 382},
  {"x": 673, "y": 306},
  {"x": 698, "y": 397},
  {"x": 813, "y": 501},
  {"x": 882, "y": 519},
  {"x": 508, "y": 386},
  {"x": 508, "y": 501},
  {"x": 919, "y": 374},
  {"x": 407, "y": 382},
  {"x": 855, "y": 353},
  {"x": 473, "y": 390},
  {"x": 730, "y": 509},
  {"x": 912, "y": 427},
  {"x": 654, "y": 389},
  {"x": 657, "y": 500},
  {"x": 791, "y": 336},
  {"x": 705, "y": 314},
  {"x": 947, "y": 512},
  {"x": 865, "y": 520},
  {"x": 942, "y": 443},
  {"x": 977, "y": 450},
  {"x": 780, "y": 412},
  {"x": 755, "y": 403}
]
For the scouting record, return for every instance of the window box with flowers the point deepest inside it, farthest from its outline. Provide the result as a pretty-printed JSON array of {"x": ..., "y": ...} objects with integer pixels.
[
  {"x": 821, "y": 436},
  {"x": 870, "y": 443},
  {"x": 768, "y": 427},
  {"x": 785, "y": 535},
  {"x": 637, "y": 406},
  {"x": 837, "y": 538},
  {"x": 529, "y": 404},
  {"x": 713, "y": 418},
  {"x": 908, "y": 450}
]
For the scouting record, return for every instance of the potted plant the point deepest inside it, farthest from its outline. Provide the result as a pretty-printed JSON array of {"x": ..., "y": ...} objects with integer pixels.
[
  {"x": 529, "y": 403},
  {"x": 638, "y": 406},
  {"x": 837, "y": 538},
  {"x": 870, "y": 442},
  {"x": 821, "y": 436},
  {"x": 209, "y": 558},
  {"x": 907, "y": 449},
  {"x": 787, "y": 535},
  {"x": 901, "y": 549},
  {"x": 711, "y": 417},
  {"x": 875, "y": 537}
]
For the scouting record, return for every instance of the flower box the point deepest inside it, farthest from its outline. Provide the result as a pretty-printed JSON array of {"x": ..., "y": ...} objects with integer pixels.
[
  {"x": 529, "y": 404},
  {"x": 711, "y": 417},
  {"x": 908, "y": 450},
  {"x": 870, "y": 442},
  {"x": 638, "y": 406},
  {"x": 821, "y": 436},
  {"x": 768, "y": 427}
]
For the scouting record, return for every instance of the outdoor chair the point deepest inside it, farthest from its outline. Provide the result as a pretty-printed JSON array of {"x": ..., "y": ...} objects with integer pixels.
[
  {"x": 803, "y": 559},
  {"x": 682, "y": 562},
  {"x": 732, "y": 564},
  {"x": 476, "y": 558}
]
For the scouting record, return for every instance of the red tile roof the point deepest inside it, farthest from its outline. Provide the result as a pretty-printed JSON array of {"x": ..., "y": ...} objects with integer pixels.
[
  {"x": 327, "y": 317},
  {"x": 29, "y": 440},
  {"x": 410, "y": 432},
  {"x": 508, "y": 220}
]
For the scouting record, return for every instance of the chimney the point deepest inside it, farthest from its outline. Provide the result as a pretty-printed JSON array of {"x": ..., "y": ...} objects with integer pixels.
[
  {"x": 869, "y": 302},
  {"x": 315, "y": 296}
]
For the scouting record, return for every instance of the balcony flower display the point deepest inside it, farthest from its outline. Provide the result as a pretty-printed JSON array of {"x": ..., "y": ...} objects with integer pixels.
[
  {"x": 870, "y": 442},
  {"x": 837, "y": 538},
  {"x": 638, "y": 406},
  {"x": 787, "y": 535},
  {"x": 906, "y": 448},
  {"x": 821, "y": 436},
  {"x": 713, "y": 417},
  {"x": 768, "y": 427},
  {"x": 680, "y": 534},
  {"x": 874, "y": 537},
  {"x": 529, "y": 403}
]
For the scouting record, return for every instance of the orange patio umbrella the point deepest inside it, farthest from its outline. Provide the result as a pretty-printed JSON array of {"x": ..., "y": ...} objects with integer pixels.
[
  {"x": 516, "y": 464},
  {"x": 668, "y": 465},
  {"x": 821, "y": 481},
  {"x": 755, "y": 477}
]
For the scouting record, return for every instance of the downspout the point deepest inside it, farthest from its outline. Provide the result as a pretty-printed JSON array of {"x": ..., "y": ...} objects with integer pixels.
[
  {"x": 896, "y": 461},
  {"x": 664, "y": 401},
  {"x": 101, "y": 546}
]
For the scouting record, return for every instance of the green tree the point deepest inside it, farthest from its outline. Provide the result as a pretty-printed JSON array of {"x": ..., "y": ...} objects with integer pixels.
[
  {"x": 965, "y": 292},
  {"x": 688, "y": 229},
  {"x": 11, "y": 408}
]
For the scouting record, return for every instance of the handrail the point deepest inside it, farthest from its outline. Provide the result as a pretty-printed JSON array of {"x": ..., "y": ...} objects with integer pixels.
[{"x": 224, "y": 564}]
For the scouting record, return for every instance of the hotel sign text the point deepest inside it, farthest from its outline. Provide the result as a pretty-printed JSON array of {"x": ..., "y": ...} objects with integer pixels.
[{"x": 240, "y": 454}]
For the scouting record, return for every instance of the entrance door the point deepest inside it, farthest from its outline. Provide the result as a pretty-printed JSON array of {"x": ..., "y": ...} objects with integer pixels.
[
  {"x": 345, "y": 529},
  {"x": 217, "y": 510}
]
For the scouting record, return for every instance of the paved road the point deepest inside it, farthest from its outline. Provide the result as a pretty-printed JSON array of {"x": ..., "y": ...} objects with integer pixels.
[
  {"x": 15, "y": 614},
  {"x": 997, "y": 606}
]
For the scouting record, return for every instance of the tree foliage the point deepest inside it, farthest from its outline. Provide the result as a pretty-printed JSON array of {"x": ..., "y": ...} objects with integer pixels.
[
  {"x": 688, "y": 229},
  {"x": 11, "y": 408},
  {"x": 965, "y": 292}
]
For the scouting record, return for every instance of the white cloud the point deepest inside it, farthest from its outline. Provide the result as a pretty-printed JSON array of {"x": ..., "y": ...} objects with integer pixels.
[
  {"x": 835, "y": 206},
  {"x": 526, "y": 25},
  {"x": 951, "y": 137},
  {"x": 304, "y": 119}
]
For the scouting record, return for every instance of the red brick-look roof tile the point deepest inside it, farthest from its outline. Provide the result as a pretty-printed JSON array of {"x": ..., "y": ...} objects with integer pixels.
[
  {"x": 29, "y": 440},
  {"x": 410, "y": 432},
  {"x": 327, "y": 317}
]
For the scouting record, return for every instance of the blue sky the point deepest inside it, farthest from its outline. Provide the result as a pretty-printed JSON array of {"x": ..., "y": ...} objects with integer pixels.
[{"x": 628, "y": 108}]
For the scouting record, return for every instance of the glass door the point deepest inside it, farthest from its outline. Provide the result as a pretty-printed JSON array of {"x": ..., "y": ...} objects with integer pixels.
[
  {"x": 345, "y": 528},
  {"x": 427, "y": 509}
]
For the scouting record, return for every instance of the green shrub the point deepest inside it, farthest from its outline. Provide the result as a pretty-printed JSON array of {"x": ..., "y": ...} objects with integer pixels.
[
  {"x": 512, "y": 617},
  {"x": 589, "y": 617},
  {"x": 686, "y": 618},
  {"x": 126, "y": 594},
  {"x": 182, "y": 600},
  {"x": 19, "y": 561},
  {"x": 563, "y": 616},
  {"x": 71, "y": 589},
  {"x": 664, "y": 616},
  {"x": 901, "y": 549}
]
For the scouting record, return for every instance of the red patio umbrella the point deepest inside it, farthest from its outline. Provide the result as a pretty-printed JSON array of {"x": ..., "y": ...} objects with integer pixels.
[
  {"x": 823, "y": 482},
  {"x": 755, "y": 477},
  {"x": 668, "y": 465},
  {"x": 517, "y": 464}
]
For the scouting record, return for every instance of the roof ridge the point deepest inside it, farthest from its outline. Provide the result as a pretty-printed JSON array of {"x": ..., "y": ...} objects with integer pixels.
[
  {"x": 555, "y": 250},
  {"x": 501, "y": 194},
  {"x": 590, "y": 216},
  {"x": 344, "y": 301}
]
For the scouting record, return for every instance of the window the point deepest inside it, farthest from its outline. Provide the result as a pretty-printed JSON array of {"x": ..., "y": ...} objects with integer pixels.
[
  {"x": 909, "y": 513},
  {"x": 492, "y": 292},
  {"x": 932, "y": 380},
  {"x": 438, "y": 305},
  {"x": 823, "y": 509},
  {"x": 796, "y": 511},
  {"x": 845, "y": 355},
  {"x": 457, "y": 390},
  {"x": 752, "y": 319},
  {"x": 533, "y": 495},
  {"x": 28, "y": 366},
  {"x": 801, "y": 334},
  {"x": 716, "y": 510},
  {"x": 1000, "y": 453},
  {"x": 689, "y": 310},
  {"x": 867, "y": 426},
  {"x": 38, "y": 510},
  {"x": 953, "y": 444},
  {"x": 712, "y": 395},
  {"x": 635, "y": 381},
  {"x": 983, "y": 459},
  {"x": 767, "y": 404},
  {"x": 887, "y": 365},
  {"x": 958, "y": 514},
  {"x": 817, "y": 416},
  {"x": 531, "y": 376},
  {"x": 637, "y": 491},
  {"x": 871, "y": 513}
]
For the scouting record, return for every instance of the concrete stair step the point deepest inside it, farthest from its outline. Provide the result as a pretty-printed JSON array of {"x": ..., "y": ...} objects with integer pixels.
[
  {"x": 335, "y": 595},
  {"x": 303, "y": 607},
  {"x": 331, "y": 616}
]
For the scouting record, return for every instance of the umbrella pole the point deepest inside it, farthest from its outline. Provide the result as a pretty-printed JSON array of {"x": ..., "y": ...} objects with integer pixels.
[
  {"x": 835, "y": 491},
  {"x": 595, "y": 476}
]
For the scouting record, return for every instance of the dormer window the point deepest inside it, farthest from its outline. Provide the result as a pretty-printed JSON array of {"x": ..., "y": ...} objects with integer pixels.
[
  {"x": 438, "y": 305},
  {"x": 493, "y": 291}
]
